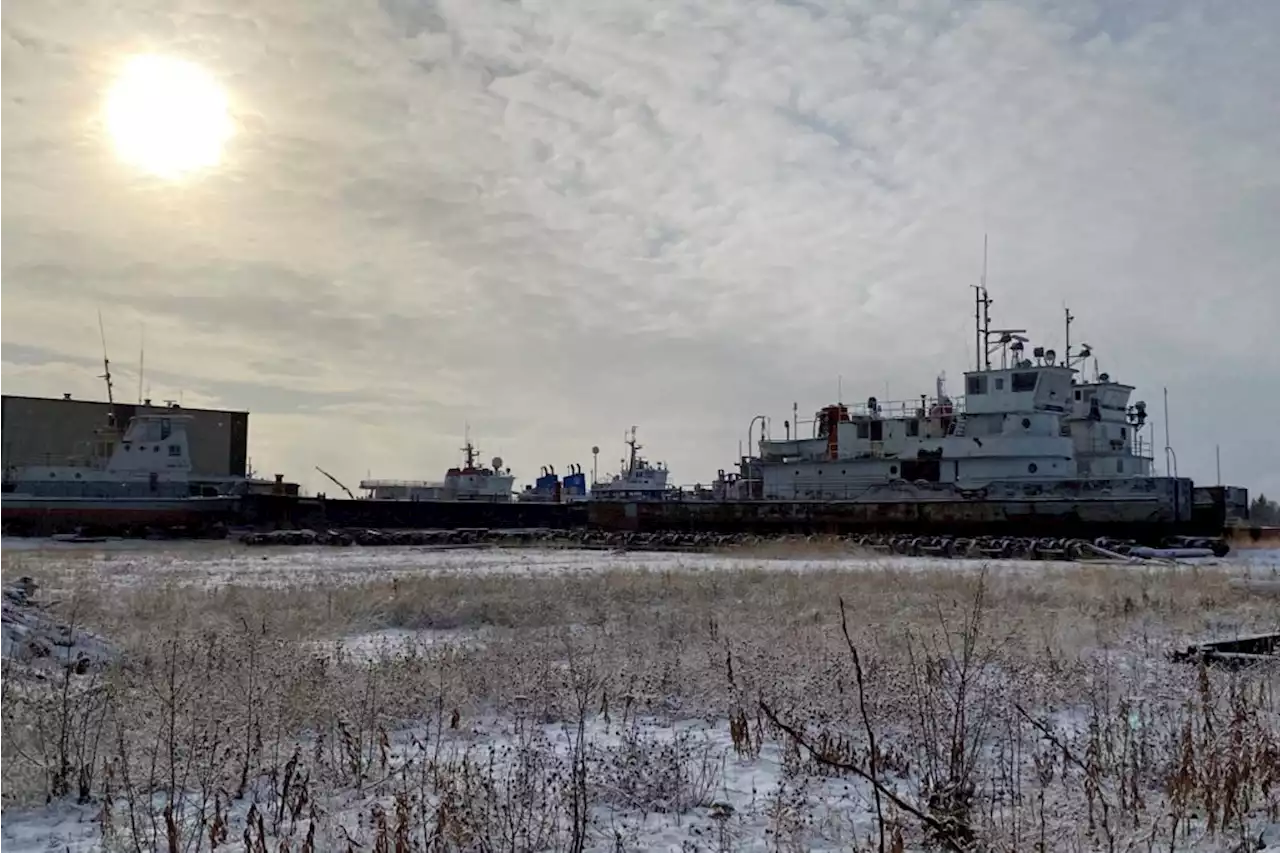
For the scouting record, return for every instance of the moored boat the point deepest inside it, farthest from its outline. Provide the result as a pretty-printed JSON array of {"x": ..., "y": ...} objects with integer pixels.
[{"x": 136, "y": 480}]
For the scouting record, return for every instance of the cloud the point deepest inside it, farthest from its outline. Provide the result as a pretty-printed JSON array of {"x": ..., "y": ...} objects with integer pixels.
[{"x": 555, "y": 220}]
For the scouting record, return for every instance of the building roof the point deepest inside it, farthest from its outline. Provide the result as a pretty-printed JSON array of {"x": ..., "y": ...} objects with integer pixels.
[{"x": 162, "y": 406}]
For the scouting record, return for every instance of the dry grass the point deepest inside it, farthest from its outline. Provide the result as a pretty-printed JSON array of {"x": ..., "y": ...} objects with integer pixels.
[{"x": 1041, "y": 716}]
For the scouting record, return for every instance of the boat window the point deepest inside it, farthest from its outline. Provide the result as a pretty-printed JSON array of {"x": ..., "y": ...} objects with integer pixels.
[
  {"x": 877, "y": 430},
  {"x": 1077, "y": 393},
  {"x": 1124, "y": 433},
  {"x": 1024, "y": 381},
  {"x": 975, "y": 385},
  {"x": 175, "y": 450},
  {"x": 1119, "y": 466},
  {"x": 999, "y": 383},
  {"x": 156, "y": 449},
  {"x": 864, "y": 431},
  {"x": 913, "y": 428}
]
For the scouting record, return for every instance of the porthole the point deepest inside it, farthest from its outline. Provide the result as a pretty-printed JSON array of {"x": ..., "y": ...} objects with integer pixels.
[
  {"x": 1032, "y": 468},
  {"x": 1026, "y": 423},
  {"x": 893, "y": 469}
]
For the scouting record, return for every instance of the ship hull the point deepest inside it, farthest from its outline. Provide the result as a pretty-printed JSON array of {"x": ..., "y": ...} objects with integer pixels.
[
  {"x": 1146, "y": 511},
  {"x": 269, "y": 511},
  {"x": 39, "y": 515}
]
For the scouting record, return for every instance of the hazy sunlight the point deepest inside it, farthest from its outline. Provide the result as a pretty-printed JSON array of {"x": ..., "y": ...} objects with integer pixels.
[{"x": 167, "y": 116}]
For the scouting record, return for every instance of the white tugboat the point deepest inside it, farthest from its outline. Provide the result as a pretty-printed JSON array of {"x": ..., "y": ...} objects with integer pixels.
[
  {"x": 1025, "y": 429},
  {"x": 141, "y": 478},
  {"x": 637, "y": 479},
  {"x": 471, "y": 482}
]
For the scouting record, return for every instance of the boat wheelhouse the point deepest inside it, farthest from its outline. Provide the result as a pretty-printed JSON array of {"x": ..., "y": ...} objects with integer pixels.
[{"x": 1105, "y": 429}]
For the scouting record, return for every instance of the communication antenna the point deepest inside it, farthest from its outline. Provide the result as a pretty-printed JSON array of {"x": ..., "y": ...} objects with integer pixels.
[
  {"x": 142, "y": 360},
  {"x": 1066, "y": 356},
  {"x": 981, "y": 312}
]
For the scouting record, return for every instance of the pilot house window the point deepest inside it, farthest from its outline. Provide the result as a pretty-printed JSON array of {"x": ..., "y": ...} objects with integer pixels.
[
  {"x": 1024, "y": 382},
  {"x": 975, "y": 385}
]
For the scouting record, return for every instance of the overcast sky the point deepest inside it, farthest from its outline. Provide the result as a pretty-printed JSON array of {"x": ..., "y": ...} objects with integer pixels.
[{"x": 553, "y": 220}]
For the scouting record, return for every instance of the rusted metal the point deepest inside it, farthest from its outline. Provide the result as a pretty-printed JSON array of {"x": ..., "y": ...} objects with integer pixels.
[{"x": 1241, "y": 652}]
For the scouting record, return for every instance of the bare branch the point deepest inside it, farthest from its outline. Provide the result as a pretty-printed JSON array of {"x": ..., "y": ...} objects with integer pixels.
[
  {"x": 866, "y": 720},
  {"x": 946, "y": 832}
]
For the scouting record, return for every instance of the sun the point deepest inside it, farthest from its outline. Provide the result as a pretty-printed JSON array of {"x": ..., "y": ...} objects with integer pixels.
[{"x": 167, "y": 116}]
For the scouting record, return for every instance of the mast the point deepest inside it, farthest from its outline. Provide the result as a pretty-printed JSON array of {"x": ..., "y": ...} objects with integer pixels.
[
  {"x": 106, "y": 375},
  {"x": 1066, "y": 360},
  {"x": 981, "y": 315},
  {"x": 142, "y": 361}
]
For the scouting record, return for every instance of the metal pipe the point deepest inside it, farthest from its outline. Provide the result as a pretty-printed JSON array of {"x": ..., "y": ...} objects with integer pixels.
[{"x": 751, "y": 429}]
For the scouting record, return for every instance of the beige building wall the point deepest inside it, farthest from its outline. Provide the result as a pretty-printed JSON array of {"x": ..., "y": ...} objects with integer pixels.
[{"x": 40, "y": 430}]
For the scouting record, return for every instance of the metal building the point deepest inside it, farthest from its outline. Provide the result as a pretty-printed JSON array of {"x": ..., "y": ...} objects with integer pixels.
[{"x": 48, "y": 430}]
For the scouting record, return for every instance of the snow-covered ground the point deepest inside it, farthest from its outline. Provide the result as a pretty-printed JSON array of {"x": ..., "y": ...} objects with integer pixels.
[
  {"x": 441, "y": 692},
  {"x": 214, "y": 563}
]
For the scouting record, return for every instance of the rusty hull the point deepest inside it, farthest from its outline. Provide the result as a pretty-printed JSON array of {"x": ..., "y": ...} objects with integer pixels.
[{"x": 1128, "y": 518}]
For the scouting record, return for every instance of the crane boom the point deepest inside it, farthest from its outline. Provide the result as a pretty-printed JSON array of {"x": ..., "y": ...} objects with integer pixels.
[{"x": 337, "y": 482}]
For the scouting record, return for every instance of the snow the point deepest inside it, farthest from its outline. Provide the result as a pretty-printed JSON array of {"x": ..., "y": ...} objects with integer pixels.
[
  {"x": 133, "y": 562},
  {"x": 667, "y": 783},
  {"x": 37, "y": 641}
]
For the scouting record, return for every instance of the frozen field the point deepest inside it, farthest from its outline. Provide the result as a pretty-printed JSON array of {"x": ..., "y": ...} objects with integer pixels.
[{"x": 406, "y": 699}]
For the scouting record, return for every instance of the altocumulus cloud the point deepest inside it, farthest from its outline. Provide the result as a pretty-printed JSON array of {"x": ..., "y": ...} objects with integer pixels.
[{"x": 554, "y": 220}]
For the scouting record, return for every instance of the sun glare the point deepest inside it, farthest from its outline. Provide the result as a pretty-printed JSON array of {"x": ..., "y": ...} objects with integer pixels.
[{"x": 167, "y": 116}]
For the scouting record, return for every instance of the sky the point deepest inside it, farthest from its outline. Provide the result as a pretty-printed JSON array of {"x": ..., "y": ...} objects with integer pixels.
[{"x": 548, "y": 222}]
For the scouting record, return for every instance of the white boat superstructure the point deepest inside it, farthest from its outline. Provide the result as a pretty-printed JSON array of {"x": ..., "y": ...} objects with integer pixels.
[
  {"x": 471, "y": 482},
  {"x": 152, "y": 457},
  {"x": 636, "y": 479},
  {"x": 1023, "y": 421}
]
